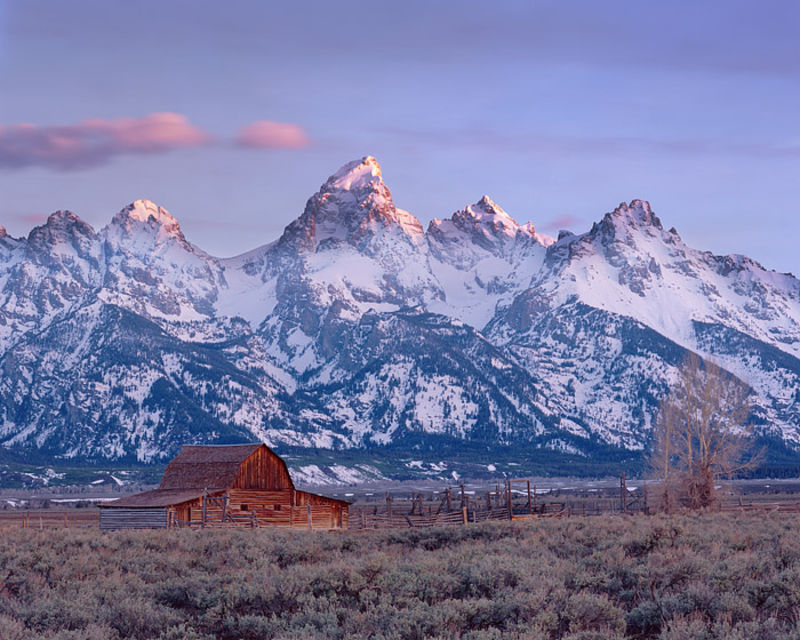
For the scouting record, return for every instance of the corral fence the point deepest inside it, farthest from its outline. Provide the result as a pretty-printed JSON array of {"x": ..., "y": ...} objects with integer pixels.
[
  {"x": 514, "y": 500},
  {"x": 519, "y": 500}
]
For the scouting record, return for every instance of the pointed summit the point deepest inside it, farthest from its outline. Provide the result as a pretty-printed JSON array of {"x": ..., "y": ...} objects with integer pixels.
[
  {"x": 358, "y": 174},
  {"x": 61, "y": 227},
  {"x": 488, "y": 205},
  {"x": 144, "y": 214},
  {"x": 149, "y": 213},
  {"x": 487, "y": 218},
  {"x": 638, "y": 213},
  {"x": 353, "y": 206},
  {"x": 487, "y": 225}
]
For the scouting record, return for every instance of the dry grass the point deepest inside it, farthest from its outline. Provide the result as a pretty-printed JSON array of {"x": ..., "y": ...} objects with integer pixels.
[{"x": 691, "y": 576}]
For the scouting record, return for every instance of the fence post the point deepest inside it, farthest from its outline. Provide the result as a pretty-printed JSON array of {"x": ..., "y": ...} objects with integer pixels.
[
  {"x": 308, "y": 515},
  {"x": 464, "y": 513},
  {"x": 644, "y": 490},
  {"x": 530, "y": 506},
  {"x": 203, "y": 514},
  {"x": 534, "y": 497},
  {"x": 509, "y": 503},
  {"x": 622, "y": 505}
]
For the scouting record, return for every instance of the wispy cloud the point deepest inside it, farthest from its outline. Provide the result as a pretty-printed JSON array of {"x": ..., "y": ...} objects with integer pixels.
[
  {"x": 95, "y": 141},
  {"x": 26, "y": 218},
  {"x": 266, "y": 134},
  {"x": 558, "y": 223}
]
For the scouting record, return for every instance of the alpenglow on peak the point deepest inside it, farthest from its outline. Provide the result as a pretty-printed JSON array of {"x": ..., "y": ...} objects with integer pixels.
[
  {"x": 358, "y": 174},
  {"x": 149, "y": 213}
]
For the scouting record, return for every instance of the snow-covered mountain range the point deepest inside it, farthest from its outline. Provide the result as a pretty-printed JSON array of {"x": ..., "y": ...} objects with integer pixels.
[{"x": 358, "y": 329}]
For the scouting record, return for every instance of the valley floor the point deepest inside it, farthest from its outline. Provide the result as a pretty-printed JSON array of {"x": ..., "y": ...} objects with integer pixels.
[{"x": 712, "y": 575}]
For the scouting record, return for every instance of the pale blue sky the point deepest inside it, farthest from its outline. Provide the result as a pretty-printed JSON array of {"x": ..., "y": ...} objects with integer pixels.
[{"x": 557, "y": 110}]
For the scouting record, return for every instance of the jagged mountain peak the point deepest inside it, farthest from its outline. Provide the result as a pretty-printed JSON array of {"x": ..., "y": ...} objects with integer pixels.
[
  {"x": 490, "y": 218},
  {"x": 486, "y": 225},
  {"x": 352, "y": 206},
  {"x": 63, "y": 218},
  {"x": 61, "y": 226},
  {"x": 637, "y": 212},
  {"x": 488, "y": 205},
  {"x": 358, "y": 174},
  {"x": 146, "y": 213}
]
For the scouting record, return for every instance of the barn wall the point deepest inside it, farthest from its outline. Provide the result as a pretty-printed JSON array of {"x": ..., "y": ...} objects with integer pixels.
[
  {"x": 263, "y": 470},
  {"x": 275, "y": 508},
  {"x": 144, "y": 518}
]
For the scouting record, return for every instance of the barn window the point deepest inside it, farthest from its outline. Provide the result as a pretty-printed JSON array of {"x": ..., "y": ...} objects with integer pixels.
[
  {"x": 277, "y": 507},
  {"x": 243, "y": 507}
]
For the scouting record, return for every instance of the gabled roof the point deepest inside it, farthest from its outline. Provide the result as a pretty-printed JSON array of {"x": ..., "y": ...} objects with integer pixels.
[{"x": 206, "y": 466}]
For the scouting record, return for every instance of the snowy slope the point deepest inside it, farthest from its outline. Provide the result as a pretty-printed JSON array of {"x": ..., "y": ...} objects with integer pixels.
[
  {"x": 482, "y": 258},
  {"x": 629, "y": 265}
]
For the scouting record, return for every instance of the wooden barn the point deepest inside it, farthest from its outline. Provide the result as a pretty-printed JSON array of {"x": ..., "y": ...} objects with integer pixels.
[{"x": 225, "y": 485}]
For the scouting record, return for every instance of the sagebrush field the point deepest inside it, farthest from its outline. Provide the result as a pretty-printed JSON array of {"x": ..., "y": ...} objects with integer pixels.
[{"x": 692, "y": 576}]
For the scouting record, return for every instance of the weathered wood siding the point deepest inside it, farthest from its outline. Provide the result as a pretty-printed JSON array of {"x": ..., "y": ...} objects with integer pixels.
[
  {"x": 289, "y": 508},
  {"x": 263, "y": 470},
  {"x": 145, "y": 518}
]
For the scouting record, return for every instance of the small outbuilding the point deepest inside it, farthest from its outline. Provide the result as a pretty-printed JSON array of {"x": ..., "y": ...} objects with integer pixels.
[{"x": 225, "y": 485}]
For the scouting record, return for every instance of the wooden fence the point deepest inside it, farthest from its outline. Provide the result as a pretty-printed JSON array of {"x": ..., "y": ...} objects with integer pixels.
[{"x": 49, "y": 519}]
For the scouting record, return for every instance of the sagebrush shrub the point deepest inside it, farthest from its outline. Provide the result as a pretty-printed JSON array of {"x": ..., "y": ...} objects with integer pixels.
[{"x": 686, "y": 576}]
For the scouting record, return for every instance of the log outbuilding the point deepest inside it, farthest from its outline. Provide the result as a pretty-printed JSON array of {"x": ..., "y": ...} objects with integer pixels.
[{"x": 225, "y": 485}]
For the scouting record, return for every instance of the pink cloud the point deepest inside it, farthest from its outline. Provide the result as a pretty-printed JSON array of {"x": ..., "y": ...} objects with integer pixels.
[
  {"x": 272, "y": 135},
  {"x": 93, "y": 142},
  {"x": 566, "y": 221},
  {"x": 31, "y": 218}
]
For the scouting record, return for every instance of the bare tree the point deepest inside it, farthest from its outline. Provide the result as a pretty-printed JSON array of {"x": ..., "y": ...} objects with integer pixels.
[{"x": 701, "y": 434}]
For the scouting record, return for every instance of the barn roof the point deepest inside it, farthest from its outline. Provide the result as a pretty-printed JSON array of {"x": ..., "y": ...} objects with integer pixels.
[
  {"x": 206, "y": 466},
  {"x": 156, "y": 498}
]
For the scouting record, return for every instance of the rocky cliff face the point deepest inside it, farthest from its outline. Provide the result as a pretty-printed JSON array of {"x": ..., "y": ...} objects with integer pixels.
[{"x": 358, "y": 329}]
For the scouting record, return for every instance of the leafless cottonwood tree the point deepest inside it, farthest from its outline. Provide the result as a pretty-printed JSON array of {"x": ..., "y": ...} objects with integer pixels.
[{"x": 701, "y": 434}]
